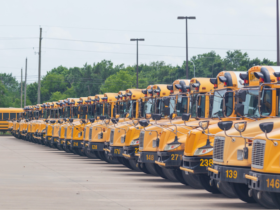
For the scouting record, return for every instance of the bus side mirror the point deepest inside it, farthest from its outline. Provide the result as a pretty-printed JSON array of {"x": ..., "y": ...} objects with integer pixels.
[
  {"x": 92, "y": 120},
  {"x": 102, "y": 117},
  {"x": 156, "y": 116},
  {"x": 266, "y": 127},
  {"x": 241, "y": 94},
  {"x": 186, "y": 116},
  {"x": 225, "y": 125},
  {"x": 239, "y": 109},
  {"x": 70, "y": 120},
  {"x": 115, "y": 120},
  {"x": 144, "y": 123}
]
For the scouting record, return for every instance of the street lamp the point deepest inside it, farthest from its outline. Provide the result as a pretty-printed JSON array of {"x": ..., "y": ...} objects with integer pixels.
[
  {"x": 186, "y": 18},
  {"x": 137, "y": 58},
  {"x": 193, "y": 68}
]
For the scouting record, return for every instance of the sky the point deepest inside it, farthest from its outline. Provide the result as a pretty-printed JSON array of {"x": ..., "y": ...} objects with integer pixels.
[{"x": 76, "y": 32}]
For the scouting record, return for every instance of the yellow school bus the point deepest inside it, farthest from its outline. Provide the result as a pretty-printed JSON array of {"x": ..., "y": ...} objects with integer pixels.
[{"x": 8, "y": 114}]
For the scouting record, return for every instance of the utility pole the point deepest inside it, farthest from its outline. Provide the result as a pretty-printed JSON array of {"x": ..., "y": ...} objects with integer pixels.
[
  {"x": 277, "y": 27},
  {"x": 21, "y": 90},
  {"x": 137, "y": 58},
  {"x": 187, "y": 59},
  {"x": 25, "y": 82},
  {"x": 39, "y": 69}
]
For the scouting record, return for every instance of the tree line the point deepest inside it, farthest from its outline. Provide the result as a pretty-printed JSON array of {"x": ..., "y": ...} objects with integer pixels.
[{"x": 89, "y": 80}]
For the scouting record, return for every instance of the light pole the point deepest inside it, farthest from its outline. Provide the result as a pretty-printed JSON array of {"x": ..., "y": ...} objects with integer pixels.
[
  {"x": 193, "y": 68},
  {"x": 137, "y": 58},
  {"x": 277, "y": 27},
  {"x": 186, "y": 18}
]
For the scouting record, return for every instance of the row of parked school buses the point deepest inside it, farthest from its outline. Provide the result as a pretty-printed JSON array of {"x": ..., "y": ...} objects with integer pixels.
[{"x": 219, "y": 134}]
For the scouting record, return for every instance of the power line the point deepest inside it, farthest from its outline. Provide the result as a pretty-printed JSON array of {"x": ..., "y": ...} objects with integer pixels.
[
  {"x": 167, "y": 32},
  {"x": 75, "y": 40}
]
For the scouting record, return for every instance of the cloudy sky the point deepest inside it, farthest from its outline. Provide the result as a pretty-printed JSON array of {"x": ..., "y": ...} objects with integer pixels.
[{"x": 76, "y": 32}]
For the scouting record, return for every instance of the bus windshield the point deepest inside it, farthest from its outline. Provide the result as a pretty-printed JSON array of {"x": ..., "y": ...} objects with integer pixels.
[
  {"x": 107, "y": 110},
  {"x": 157, "y": 107},
  {"x": 251, "y": 104},
  {"x": 83, "y": 112},
  {"x": 131, "y": 108},
  {"x": 61, "y": 114},
  {"x": 193, "y": 105},
  {"x": 99, "y": 110},
  {"x": 122, "y": 108},
  {"x": 147, "y": 107},
  {"x": 75, "y": 112},
  {"x": 217, "y": 108},
  {"x": 182, "y": 105},
  {"x": 91, "y": 111},
  {"x": 67, "y": 111}
]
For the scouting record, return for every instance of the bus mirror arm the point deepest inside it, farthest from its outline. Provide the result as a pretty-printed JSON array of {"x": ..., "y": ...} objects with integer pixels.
[{"x": 275, "y": 143}]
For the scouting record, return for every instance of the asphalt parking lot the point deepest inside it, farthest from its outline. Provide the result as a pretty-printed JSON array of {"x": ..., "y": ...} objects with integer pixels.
[{"x": 37, "y": 177}]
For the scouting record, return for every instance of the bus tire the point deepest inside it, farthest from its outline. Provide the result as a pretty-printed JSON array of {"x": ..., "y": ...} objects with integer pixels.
[
  {"x": 241, "y": 191},
  {"x": 265, "y": 200},
  {"x": 169, "y": 174},
  {"x": 226, "y": 189},
  {"x": 178, "y": 174},
  {"x": 276, "y": 199},
  {"x": 192, "y": 180},
  {"x": 143, "y": 168},
  {"x": 204, "y": 180}
]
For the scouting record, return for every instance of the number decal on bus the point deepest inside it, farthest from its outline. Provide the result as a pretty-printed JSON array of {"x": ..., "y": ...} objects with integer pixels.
[
  {"x": 150, "y": 157},
  {"x": 136, "y": 150},
  {"x": 75, "y": 144},
  {"x": 231, "y": 174},
  {"x": 117, "y": 151},
  {"x": 174, "y": 156},
  {"x": 206, "y": 162},
  {"x": 273, "y": 183},
  {"x": 94, "y": 146}
]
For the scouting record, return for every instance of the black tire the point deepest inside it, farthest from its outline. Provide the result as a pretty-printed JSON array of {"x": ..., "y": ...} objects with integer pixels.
[
  {"x": 192, "y": 180},
  {"x": 178, "y": 174},
  {"x": 159, "y": 171},
  {"x": 204, "y": 180},
  {"x": 226, "y": 189},
  {"x": 102, "y": 155},
  {"x": 276, "y": 199},
  {"x": 265, "y": 200},
  {"x": 68, "y": 150},
  {"x": 134, "y": 165},
  {"x": 241, "y": 190},
  {"x": 143, "y": 168},
  {"x": 97, "y": 154},
  {"x": 90, "y": 155},
  {"x": 111, "y": 160},
  {"x": 151, "y": 168},
  {"x": 126, "y": 162},
  {"x": 169, "y": 174}
]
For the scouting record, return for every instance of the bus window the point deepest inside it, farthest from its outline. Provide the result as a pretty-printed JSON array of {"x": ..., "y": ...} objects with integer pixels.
[
  {"x": 5, "y": 116},
  {"x": 12, "y": 116},
  {"x": 18, "y": 116}
]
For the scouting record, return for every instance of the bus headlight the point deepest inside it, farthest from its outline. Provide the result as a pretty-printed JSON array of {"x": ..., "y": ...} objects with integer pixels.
[
  {"x": 171, "y": 146},
  {"x": 203, "y": 151},
  {"x": 134, "y": 142}
]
